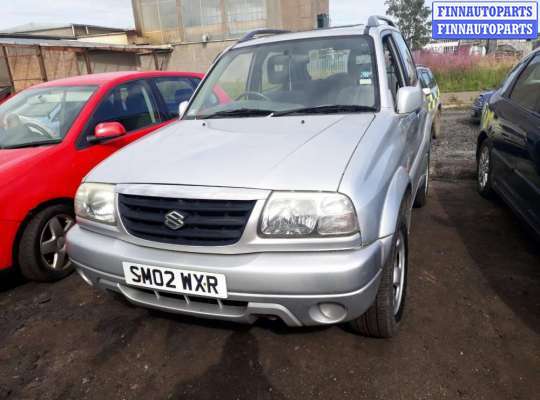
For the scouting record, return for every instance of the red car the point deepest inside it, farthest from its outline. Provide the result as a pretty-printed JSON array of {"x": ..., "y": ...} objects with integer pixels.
[{"x": 52, "y": 135}]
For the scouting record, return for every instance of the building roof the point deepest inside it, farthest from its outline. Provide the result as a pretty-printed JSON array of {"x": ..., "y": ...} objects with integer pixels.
[
  {"x": 37, "y": 27},
  {"x": 15, "y": 40}
]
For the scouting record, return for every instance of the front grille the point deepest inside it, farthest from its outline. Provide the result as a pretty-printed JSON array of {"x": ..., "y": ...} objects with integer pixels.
[
  {"x": 193, "y": 299},
  {"x": 206, "y": 222}
]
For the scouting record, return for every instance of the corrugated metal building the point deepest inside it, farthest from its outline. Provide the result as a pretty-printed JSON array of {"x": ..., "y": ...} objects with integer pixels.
[{"x": 200, "y": 29}]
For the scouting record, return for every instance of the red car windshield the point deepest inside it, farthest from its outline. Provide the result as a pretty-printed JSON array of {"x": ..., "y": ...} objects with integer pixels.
[{"x": 41, "y": 116}]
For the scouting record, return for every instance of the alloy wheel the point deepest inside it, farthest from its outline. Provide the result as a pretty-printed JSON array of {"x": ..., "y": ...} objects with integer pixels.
[
  {"x": 483, "y": 167},
  {"x": 399, "y": 272},
  {"x": 52, "y": 244}
]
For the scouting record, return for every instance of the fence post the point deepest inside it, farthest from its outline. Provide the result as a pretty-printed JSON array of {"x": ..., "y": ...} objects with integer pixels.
[
  {"x": 87, "y": 62},
  {"x": 8, "y": 67},
  {"x": 42, "y": 67},
  {"x": 156, "y": 61}
]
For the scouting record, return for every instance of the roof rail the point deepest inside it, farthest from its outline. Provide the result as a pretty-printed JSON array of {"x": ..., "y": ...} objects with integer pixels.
[
  {"x": 375, "y": 20},
  {"x": 259, "y": 32}
]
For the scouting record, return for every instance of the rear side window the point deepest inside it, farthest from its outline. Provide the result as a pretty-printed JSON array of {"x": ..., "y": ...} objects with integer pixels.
[
  {"x": 526, "y": 92},
  {"x": 432, "y": 77},
  {"x": 407, "y": 60},
  {"x": 130, "y": 104},
  {"x": 426, "y": 80},
  {"x": 175, "y": 90}
]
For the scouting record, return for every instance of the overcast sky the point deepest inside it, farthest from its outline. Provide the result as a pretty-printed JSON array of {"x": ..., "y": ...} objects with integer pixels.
[{"x": 118, "y": 13}]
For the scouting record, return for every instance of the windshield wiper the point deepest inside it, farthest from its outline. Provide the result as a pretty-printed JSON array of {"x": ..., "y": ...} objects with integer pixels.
[
  {"x": 326, "y": 109},
  {"x": 240, "y": 112},
  {"x": 32, "y": 144}
]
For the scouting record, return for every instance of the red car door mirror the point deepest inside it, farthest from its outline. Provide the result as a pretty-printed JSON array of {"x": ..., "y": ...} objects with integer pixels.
[{"x": 106, "y": 131}]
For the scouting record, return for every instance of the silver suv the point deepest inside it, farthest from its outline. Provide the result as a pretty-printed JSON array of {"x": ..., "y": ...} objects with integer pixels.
[{"x": 284, "y": 192}]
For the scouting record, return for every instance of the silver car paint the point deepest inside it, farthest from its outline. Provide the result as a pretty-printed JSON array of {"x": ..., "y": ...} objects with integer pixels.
[
  {"x": 262, "y": 153},
  {"x": 378, "y": 159}
]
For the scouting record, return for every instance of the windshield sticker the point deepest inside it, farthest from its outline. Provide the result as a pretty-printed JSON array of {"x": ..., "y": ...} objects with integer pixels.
[{"x": 364, "y": 81}]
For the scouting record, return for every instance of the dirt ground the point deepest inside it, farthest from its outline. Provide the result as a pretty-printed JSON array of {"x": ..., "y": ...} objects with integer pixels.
[{"x": 471, "y": 330}]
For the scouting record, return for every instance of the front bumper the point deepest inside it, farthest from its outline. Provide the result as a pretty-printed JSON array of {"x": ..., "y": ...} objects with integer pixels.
[
  {"x": 300, "y": 288},
  {"x": 476, "y": 113}
]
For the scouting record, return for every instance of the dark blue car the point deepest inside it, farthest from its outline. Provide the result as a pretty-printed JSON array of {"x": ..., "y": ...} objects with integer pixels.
[
  {"x": 478, "y": 105},
  {"x": 508, "y": 151}
]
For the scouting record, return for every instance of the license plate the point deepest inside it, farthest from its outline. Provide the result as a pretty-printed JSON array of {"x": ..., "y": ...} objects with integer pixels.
[{"x": 176, "y": 280}]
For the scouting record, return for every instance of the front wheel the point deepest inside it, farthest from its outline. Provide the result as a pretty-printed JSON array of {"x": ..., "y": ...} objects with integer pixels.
[
  {"x": 42, "y": 248},
  {"x": 383, "y": 317}
]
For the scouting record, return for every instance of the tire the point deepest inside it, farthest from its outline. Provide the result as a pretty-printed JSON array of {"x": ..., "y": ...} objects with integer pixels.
[
  {"x": 423, "y": 191},
  {"x": 382, "y": 319},
  {"x": 436, "y": 127},
  {"x": 41, "y": 252},
  {"x": 484, "y": 171}
]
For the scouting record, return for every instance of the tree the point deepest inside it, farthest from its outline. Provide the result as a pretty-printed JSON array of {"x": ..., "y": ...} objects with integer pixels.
[{"x": 413, "y": 19}]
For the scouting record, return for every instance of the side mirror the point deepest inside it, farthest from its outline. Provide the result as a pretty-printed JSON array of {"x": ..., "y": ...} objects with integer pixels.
[
  {"x": 182, "y": 108},
  {"x": 409, "y": 99},
  {"x": 106, "y": 131},
  {"x": 427, "y": 91}
]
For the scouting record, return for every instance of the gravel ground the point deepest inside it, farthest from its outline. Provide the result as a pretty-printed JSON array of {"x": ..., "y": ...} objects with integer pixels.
[
  {"x": 453, "y": 153},
  {"x": 471, "y": 330}
]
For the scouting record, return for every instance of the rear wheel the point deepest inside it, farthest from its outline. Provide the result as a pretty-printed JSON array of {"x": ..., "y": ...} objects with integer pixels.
[
  {"x": 383, "y": 317},
  {"x": 42, "y": 248},
  {"x": 484, "y": 170}
]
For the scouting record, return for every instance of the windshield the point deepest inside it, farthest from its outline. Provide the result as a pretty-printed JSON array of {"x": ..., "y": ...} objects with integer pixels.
[
  {"x": 326, "y": 75},
  {"x": 41, "y": 116}
]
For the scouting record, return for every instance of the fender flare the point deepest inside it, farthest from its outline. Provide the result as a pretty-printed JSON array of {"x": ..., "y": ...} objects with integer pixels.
[{"x": 398, "y": 190}]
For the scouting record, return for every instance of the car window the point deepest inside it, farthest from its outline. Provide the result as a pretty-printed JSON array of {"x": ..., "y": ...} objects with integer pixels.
[
  {"x": 510, "y": 78},
  {"x": 41, "y": 115},
  {"x": 432, "y": 78},
  {"x": 130, "y": 104},
  {"x": 407, "y": 60},
  {"x": 175, "y": 90},
  {"x": 235, "y": 76},
  {"x": 281, "y": 77},
  {"x": 267, "y": 84},
  {"x": 424, "y": 80},
  {"x": 526, "y": 91},
  {"x": 395, "y": 81}
]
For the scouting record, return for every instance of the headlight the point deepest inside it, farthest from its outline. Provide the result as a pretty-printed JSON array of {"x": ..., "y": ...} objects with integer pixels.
[
  {"x": 304, "y": 214},
  {"x": 96, "y": 202}
]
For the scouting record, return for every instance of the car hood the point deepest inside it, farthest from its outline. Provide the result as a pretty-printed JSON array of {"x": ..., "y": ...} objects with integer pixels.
[{"x": 286, "y": 153}]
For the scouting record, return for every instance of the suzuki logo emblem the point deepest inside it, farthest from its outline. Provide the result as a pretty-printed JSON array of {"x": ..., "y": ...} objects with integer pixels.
[{"x": 174, "y": 220}]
